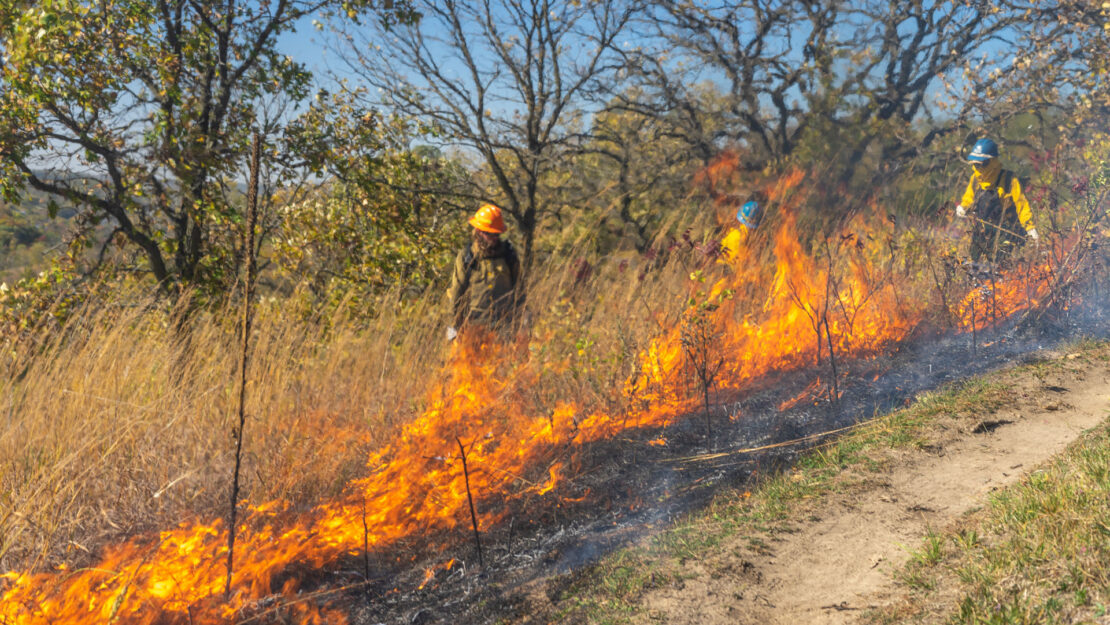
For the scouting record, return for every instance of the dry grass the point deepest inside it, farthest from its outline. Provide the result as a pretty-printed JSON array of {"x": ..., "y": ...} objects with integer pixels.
[
  {"x": 121, "y": 426},
  {"x": 123, "y": 423}
]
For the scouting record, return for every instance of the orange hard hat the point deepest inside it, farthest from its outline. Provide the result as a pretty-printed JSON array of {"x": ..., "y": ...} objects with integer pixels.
[{"x": 488, "y": 219}]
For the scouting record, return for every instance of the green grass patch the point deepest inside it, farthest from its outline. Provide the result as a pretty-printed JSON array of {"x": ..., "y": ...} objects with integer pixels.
[{"x": 1037, "y": 553}]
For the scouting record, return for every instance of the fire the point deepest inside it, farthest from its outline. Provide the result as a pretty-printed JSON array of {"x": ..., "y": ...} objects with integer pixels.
[
  {"x": 808, "y": 307},
  {"x": 807, "y": 393},
  {"x": 430, "y": 574},
  {"x": 1013, "y": 290},
  {"x": 805, "y": 305}
]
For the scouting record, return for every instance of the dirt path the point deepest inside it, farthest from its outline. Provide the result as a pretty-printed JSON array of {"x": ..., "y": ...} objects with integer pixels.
[{"x": 836, "y": 566}]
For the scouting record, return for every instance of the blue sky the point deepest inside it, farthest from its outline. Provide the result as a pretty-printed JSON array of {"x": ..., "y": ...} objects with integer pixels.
[{"x": 309, "y": 46}]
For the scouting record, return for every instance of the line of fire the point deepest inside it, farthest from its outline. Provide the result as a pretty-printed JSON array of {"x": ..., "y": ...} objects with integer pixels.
[{"x": 765, "y": 355}]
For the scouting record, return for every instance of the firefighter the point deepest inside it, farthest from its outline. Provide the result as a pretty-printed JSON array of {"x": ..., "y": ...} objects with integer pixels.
[
  {"x": 748, "y": 217},
  {"x": 1000, "y": 214},
  {"x": 486, "y": 283}
]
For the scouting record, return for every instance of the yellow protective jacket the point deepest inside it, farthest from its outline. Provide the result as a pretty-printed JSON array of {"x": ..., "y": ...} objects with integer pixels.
[
  {"x": 985, "y": 183},
  {"x": 733, "y": 242},
  {"x": 485, "y": 289}
]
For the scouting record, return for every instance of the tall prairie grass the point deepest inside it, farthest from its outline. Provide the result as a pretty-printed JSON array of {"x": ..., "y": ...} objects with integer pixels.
[{"x": 122, "y": 422}]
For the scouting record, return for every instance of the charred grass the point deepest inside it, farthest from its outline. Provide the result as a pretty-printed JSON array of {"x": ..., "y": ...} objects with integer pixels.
[{"x": 1031, "y": 534}]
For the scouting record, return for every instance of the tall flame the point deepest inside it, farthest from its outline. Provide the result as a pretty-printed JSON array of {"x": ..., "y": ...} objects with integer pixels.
[{"x": 417, "y": 486}]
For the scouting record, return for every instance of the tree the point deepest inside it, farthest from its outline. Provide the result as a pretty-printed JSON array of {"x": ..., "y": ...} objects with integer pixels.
[
  {"x": 506, "y": 81},
  {"x": 918, "y": 48},
  {"x": 629, "y": 175},
  {"x": 794, "y": 73},
  {"x": 381, "y": 219},
  {"x": 1062, "y": 62},
  {"x": 767, "y": 57},
  {"x": 138, "y": 113}
]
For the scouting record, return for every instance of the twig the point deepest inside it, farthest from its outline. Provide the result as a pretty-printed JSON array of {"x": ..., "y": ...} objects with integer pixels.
[
  {"x": 974, "y": 322},
  {"x": 832, "y": 363},
  {"x": 365, "y": 541},
  {"x": 804, "y": 439},
  {"x": 997, "y": 227},
  {"x": 248, "y": 295},
  {"x": 470, "y": 499},
  {"x": 828, "y": 332}
]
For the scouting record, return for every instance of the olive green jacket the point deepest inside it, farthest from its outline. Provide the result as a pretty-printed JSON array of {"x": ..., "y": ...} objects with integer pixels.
[{"x": 486, "y": 289}]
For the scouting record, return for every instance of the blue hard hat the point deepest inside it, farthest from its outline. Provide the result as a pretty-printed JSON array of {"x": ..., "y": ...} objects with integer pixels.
[
  {"x": 749, "y": 214},
  {"x": 983, "y": 151}
]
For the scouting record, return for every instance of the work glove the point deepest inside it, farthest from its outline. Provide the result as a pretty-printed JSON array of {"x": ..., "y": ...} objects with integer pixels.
[
  {"x": 452, "y": 333},
  {"x": 961, "y": 212}
]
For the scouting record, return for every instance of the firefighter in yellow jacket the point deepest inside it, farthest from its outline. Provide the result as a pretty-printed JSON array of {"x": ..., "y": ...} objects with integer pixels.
[
  {"x": 485, "y": 284},
  {"x": 747, "y": 218},
  {"x": 1001, "y": 217}
]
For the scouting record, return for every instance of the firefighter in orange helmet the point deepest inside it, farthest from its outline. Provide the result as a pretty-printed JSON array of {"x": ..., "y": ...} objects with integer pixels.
[{"x": 485, "y": 284}]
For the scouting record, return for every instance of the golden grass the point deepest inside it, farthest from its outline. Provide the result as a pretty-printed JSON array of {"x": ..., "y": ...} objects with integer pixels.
[
  {"x": 123, "y": 422},
  {"x": 121, "y": 425}
]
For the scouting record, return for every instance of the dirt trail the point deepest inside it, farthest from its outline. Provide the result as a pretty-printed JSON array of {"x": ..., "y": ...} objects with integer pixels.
[{"x": 835, "y": 567}]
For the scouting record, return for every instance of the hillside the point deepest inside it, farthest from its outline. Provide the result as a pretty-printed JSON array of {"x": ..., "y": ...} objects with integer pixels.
[
  {"x": 28, "y": 234},
  {"x": 884, "y": 525},
  {"x": 533, "y": 312}
]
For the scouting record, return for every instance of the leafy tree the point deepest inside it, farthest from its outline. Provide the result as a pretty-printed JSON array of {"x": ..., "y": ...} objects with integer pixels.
[
  {"x": 138, "y": 112},
  {"x": 15, "y": 229},
  {"x": 828, "y": 78},
  {"x": 506, "y": 81},
  {"x": 1062, "y": 62},
  {"x": 384, "y": 217},
  {"x": 628, "y": 176}
]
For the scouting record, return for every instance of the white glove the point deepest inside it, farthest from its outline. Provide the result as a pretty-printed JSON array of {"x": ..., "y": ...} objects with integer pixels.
[
  {"x": 451, "y": 333},
  {"x": 1033, "y": 235},
  {"x": 961, "y": 211}
]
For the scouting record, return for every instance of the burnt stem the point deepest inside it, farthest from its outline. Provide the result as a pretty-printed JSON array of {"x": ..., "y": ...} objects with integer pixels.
[
  {"x": 832, "y": 362},
  {"x": 708, "y": 417},
  {"x": 248, "y": 296},
  {"x": 974, "y": 323},
  {"x": 994, "y": 301},
  {"x": 470, "y": 500},
  {"x": 365, "y": 542}
]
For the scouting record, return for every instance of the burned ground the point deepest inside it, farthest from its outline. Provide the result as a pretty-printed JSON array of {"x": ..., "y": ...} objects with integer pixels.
[{"x": 624, "y": 489}]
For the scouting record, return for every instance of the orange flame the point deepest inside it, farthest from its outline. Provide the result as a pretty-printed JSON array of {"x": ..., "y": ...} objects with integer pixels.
[
  {"x": 807, "y": 393},
  {"x": 1013, "y": 291},
  {"x": 417, "y": 486}
]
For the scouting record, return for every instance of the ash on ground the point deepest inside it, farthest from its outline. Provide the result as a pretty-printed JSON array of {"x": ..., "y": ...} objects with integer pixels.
[{"x": 632, "y": 487}]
